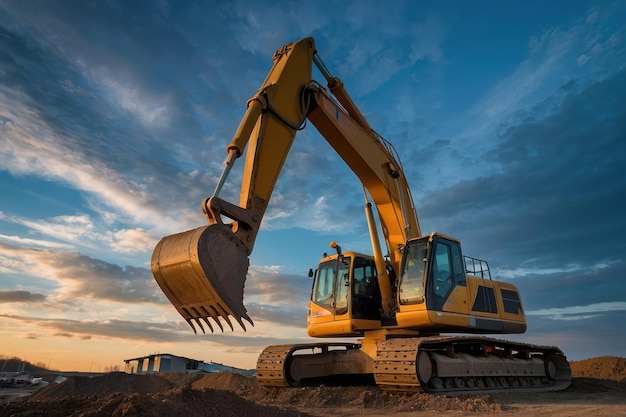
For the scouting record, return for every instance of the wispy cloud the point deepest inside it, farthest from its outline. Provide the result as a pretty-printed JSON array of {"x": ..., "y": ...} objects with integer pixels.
[
  {"x": 145, "y": 331},
  {"x": 79, "y": 231},
  {"x": 18, "y": 296},
  {"x": 80, "y": 278},
  {"x": 31, "y": 147},
  {"x": 26, "y": 242},
  {"x": 579, "y": 312},
  {"x": 133, "y": 241},
  {"x": 522, "y": 272}
]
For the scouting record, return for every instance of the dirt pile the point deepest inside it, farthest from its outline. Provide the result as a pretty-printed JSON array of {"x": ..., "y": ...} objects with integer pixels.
[
  {"x": 116, "y": 382},
  {"x": 225, "y": 395},
  {"x": 182, "y": 394},
  {"x": 604, "y": 367},
  {"x": 177, "y": 402}
]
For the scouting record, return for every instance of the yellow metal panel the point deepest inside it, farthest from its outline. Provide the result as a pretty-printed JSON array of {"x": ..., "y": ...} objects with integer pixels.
[
  {"x": 408, "y": 319},
  {"x": 271, "y": 138},
  {"x": 457, "y": 301}
]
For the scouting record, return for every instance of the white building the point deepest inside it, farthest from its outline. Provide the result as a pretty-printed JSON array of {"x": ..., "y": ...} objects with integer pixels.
[{"x": 165, "y": 362}]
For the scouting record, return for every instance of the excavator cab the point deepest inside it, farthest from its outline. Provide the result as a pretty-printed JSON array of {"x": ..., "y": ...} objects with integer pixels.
[
  {"x": 432, "y": 268},
  {"x": 437, "y": 291},
  {"x": 441, "y": 290},
  {"x": 345, "y": 297}
]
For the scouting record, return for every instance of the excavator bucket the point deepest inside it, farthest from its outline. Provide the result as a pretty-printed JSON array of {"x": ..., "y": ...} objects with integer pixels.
[{"x": 203, "y": 272}]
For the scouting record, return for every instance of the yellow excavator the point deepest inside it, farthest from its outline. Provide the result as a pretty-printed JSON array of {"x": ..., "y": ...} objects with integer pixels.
[{"x": 406, "y": 307}]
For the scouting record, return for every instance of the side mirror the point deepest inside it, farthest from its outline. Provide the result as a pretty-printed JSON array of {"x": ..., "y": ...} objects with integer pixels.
[{"x": 310, "y": 274}]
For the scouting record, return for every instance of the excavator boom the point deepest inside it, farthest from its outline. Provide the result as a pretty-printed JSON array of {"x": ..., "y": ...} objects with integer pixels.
[{"x": 203, "y": 271}]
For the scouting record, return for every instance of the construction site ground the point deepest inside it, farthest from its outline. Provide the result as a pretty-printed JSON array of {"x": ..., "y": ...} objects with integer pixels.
[{"x": 598, "y": 389}]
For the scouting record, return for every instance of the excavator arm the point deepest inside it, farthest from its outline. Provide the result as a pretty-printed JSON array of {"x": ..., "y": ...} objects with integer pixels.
[{"x": 203, "y": 271}]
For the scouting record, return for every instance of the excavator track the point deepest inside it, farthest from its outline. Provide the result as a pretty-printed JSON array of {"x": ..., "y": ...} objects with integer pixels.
[
  {"x": 296, "y": 365},
  {"x": 270, "y": 367},
  {"x": 435, "y": 364},
  {"x": 458, "y": 364}
]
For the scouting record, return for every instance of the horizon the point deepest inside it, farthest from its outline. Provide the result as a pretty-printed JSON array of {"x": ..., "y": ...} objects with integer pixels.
[
  {"x": 510, "y": 122},
  {"x": 121, "y": 367}
]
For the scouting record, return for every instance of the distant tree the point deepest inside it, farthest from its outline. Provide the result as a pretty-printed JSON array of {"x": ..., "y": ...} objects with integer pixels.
[
  {"x": 112, "y": 368},
  {"x": 15, "y": 364}
]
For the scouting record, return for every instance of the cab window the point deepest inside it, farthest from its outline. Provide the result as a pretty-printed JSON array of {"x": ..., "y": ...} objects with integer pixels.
[
  {"x": 442, "y": 273},
  {"x": 323, "y": 293},
  {"x": 343, "y": 285},
  {"x": 332, "y": 284},
  {"x": 411, "y": 287}
]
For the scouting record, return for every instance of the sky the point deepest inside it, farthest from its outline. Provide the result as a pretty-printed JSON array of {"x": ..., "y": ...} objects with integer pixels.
[{"x": 509, "y": 118}]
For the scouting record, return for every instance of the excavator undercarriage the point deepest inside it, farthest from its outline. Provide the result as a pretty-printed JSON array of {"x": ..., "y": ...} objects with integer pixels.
[{"x": 434, "y": 364}]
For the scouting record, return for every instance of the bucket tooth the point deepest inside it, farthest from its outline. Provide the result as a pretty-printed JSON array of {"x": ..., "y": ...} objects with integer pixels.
[
  {"x": 208, "y": 323},
  {"x": 241, "y": 323},
  {"x": 191, "y": 325},
  {"x": 219, "y": 323},
  {"x": 199, "y": 324},
  {"x": 208, "y": 315},
  {"x": 229, "y": 323}
]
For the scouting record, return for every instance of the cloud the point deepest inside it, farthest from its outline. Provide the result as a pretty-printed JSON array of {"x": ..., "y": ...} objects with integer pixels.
[
  {"x": 283, "y": 314},
  {"x": 32, "y": 148},
  {"x": 80, "y": 278},
  {"x": 558, "y": 181},
  {"x": 80, "y": 231},
  {"x": 268, "y": 286},
  {"x": 316, "y": 190},
  {"x": 67, "y": 228},
  {"x": 26, "y": 242},
  {"x": 19, "y": 296},
  {"x": 522, "y": 272},
  {"x": 74, "y": 136},
  {"x": 258, "y": 26},
  {"x": 133, "y": 241},
  {"x": 550, "y": 66},
  {"x": 579, "y": 312},
  {"x": 143, "y": 331},
  {"x": 375, "y": 57},
  {"x": 581, "y": 338},
  {"x": 87, "y": 329},
  {"x": 154, "y": 112}
]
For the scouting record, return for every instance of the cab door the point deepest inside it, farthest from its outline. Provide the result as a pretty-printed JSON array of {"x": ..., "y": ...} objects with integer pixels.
[
  {"x": 366, "y": 300},
  {"x": 448, "y": 286}
]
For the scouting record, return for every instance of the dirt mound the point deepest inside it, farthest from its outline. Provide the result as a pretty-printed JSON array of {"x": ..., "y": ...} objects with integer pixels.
[
  {"x": 178, "y": 402},
  {"x": 119, "y": 394},
  {"x": 226, "y": 381},
  {"x": 604, "y": 367},
  {"x": 369, "y": 397},
  {"x": 225, "y": 394},
  {"x": 324, "y": 396},
  {"x": 585, "y": 385},
  {"x": 116, "y": 382}
]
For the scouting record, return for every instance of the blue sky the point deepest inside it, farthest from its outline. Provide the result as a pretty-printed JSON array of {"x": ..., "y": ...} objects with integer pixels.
[{"x": 510, "y": 120}]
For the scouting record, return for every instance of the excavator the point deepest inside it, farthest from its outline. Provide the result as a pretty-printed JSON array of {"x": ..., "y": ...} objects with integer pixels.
[{"x": 418, "y": 316}]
